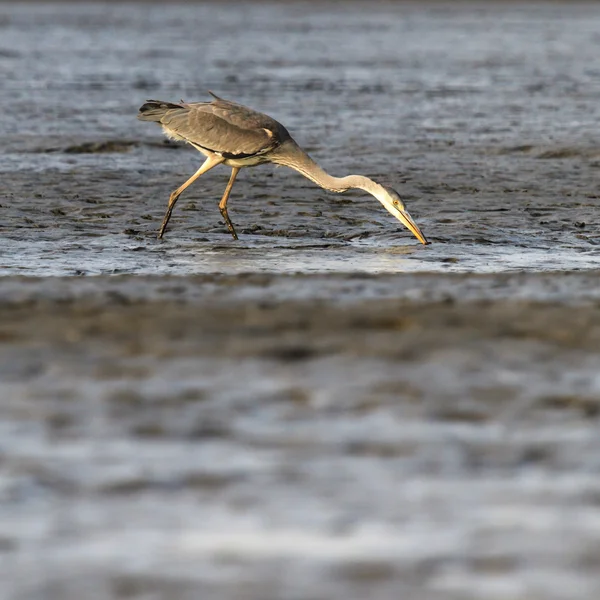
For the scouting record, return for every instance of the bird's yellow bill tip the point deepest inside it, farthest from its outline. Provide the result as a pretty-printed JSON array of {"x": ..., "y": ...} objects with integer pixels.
[{"x": 408, "y": 222}]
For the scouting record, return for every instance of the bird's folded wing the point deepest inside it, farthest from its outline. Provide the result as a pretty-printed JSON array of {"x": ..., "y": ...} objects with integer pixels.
[{"x": 219, "y": 130}]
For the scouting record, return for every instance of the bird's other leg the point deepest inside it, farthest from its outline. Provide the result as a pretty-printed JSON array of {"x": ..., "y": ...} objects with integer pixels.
[
  {"x": 223, "y": 203},
  {"x": 207, "y": 165}
]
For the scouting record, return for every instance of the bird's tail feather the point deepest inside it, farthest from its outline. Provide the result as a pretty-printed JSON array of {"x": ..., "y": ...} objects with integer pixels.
[{"x": 154, "y": 110}]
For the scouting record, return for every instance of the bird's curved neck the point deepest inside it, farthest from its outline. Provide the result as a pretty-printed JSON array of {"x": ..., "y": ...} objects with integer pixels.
[{"x": 292, "y": 156}]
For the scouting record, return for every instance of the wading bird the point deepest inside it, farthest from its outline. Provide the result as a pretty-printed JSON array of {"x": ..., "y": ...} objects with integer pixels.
[{"x": 231, "y": 134}]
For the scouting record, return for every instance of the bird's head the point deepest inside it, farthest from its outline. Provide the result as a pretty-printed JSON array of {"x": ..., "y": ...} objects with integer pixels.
[{"x": 394, "y": 205}]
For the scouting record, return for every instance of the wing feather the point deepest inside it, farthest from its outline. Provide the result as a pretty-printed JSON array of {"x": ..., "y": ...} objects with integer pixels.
[{"x": 224, "y": 127}]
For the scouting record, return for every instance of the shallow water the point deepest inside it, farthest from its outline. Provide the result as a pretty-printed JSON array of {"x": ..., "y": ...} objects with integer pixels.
[
  {"x": 255, "y": 254},
  {"x": 482, "y": 116}
]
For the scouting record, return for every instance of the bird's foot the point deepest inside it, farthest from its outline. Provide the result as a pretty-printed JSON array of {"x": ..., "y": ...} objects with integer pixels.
[
  {"x": 228, "y": 222},
  {"x": 165, "y": 222},
  {"x": 161, "y": 231}
]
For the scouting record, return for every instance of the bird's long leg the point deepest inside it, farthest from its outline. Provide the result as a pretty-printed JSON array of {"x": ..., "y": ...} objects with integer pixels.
[
  {"x": 207, "y": 165},
  {"x": 223, "y": 203}
]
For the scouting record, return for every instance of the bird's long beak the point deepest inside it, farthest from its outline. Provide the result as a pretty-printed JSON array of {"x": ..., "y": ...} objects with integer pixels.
[
  {"x": 398, "y": 210},
  {"x": 404, "y": 217}
]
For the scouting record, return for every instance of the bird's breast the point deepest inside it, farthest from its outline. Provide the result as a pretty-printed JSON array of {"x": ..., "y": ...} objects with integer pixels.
[{"x": 248, "y": 161}]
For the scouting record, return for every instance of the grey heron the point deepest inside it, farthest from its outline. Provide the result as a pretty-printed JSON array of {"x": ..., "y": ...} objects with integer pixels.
[{"x": 237, "y": 136}]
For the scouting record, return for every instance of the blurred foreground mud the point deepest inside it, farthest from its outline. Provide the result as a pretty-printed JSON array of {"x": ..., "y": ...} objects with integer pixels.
[{"x": 268, "y": 437}]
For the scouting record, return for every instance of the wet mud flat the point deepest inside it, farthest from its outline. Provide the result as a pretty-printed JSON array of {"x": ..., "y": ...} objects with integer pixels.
[
  {"x": 483, "y": 115},
  {"x": 311, "y": 436},
  {"x": 313, "y": 412}
]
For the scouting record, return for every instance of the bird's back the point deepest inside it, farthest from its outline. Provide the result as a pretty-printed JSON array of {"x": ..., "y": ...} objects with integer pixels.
[{"x": 220, "y": 126}]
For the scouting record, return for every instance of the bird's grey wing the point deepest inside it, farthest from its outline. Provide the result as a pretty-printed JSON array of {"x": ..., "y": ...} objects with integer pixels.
[{"x": 221, "y": 129}]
